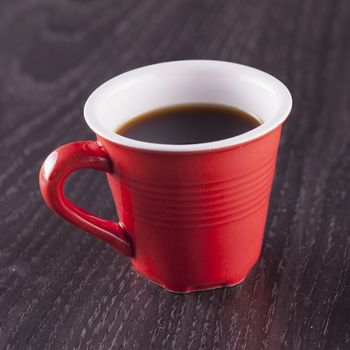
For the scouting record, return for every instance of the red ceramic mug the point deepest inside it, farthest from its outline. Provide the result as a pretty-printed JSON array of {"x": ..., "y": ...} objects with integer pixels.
[{"x": 192, "y": 216}]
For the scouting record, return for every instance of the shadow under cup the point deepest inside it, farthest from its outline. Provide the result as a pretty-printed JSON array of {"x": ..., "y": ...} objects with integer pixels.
[{"x": 194, "y": 214}]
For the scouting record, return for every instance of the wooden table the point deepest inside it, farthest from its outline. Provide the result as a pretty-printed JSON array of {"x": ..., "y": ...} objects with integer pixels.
[{"x": 62, "y": 289}]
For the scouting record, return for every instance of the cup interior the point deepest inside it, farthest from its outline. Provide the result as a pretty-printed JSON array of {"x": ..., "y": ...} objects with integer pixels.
[{"x": 195, "y": 81}]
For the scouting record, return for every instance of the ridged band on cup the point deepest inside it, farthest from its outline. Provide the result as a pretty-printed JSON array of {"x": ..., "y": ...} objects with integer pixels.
[{"x": 201, "y": 204}]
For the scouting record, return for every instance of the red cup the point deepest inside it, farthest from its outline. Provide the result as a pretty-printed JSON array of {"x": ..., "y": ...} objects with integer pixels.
[{"x": 192, "y": 216}]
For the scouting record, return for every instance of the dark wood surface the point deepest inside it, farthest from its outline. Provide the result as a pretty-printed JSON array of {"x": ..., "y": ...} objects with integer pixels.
[{"x": 62, "y": 289}]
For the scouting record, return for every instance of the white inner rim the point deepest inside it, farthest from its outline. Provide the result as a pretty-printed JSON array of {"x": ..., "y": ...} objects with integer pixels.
[{"x": 194, "y": 81}]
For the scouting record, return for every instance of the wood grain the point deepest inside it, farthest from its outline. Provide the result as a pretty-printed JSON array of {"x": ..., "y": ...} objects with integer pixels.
[{"x": 61, "y": 289}]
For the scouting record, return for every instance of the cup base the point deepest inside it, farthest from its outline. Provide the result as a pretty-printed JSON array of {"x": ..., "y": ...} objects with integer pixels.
[{"x": 191, "y": 289}]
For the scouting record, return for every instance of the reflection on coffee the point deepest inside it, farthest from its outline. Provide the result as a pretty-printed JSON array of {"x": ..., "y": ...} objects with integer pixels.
[{"x": 189, "y": 124}]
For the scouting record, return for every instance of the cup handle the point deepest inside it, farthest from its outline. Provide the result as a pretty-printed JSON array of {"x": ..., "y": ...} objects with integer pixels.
[{"x": 55, "y": 170}]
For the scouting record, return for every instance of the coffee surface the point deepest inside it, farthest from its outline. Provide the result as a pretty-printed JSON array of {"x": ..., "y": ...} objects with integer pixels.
[{"x": 189, "y": 124}]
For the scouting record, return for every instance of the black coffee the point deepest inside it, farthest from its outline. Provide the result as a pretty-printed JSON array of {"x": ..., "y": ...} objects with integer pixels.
[{"x": 189, "y": 123}]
